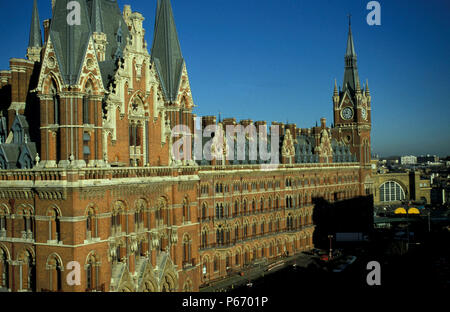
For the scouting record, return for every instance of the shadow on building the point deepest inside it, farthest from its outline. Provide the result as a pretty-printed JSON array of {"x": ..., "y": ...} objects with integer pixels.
[{"x": 347, "y": 216}]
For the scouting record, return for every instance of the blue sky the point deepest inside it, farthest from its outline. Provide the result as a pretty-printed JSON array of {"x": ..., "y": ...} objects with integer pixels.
[{"x": 276, "y": 60}]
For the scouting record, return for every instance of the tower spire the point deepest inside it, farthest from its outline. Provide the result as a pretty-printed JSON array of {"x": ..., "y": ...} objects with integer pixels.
[
  {"x": 335, "y": 93},
  {"x": 97, "y": 18},
  {"x": 351, "y": 77},
  {"x": 166, "y": 51},
  {"x": 35, "y": 42}
]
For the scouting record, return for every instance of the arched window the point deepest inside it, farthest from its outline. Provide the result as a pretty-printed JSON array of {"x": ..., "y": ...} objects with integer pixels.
[
  {"x": 204, "y": 211},
  {"x": 391, "y": 191},
  {"x": 54, "y": 268},
  {"x": 86, "y": 104},
  {"x": 245, "y": 233},
  {"x": 216, "y": 263},
  {"x": 28, "y": 269},
  {"x": 92, "y": 273},
  {"x": 217, "y": 211},
  {"x": 236, "y": 208},
  {"x": 91, "y": 224},
  {"x": 4, "y": 270},
  {"x": 186, "y": 211},
  {"x": 54, "y": 226},
  {"x": 204, "y": 242},
  {"x": 219, "y": 236},
  {"x": 56, "y": 102},
  {"x": 187, "y": 251}
]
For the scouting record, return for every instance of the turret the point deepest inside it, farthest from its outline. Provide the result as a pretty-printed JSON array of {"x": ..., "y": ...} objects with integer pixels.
[
  {"x": 100, "y": 39},
  {"x": 35, "y": 42}
]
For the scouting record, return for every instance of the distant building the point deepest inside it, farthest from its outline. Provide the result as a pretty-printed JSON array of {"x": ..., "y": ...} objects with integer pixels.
[
  {"x": 408, "y": 160},
  {"x": 427, "y": 159},
  {"x": 396, "y": 187}
]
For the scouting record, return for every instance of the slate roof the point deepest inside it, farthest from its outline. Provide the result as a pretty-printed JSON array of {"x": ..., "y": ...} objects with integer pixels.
[
  {"x": 70, "y": 41},
  {"x": 35, "y": 29},
  {"x": 166, "y": 51},
  {"x": 22, "y": 152}
]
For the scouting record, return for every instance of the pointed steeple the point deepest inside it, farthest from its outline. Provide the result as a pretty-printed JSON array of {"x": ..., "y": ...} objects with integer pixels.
[
  {"x": 350, "y": 45},
  {"x": 35, "y": 29},
  {"x": 335, "y": 93},
  {"x": 351, "y": 77},
  {"x": 367, "y": 88},
  {"x": 97, "y": 17},
  {"x": 35, "y": 42},
  {"x": 166, "y": 51}
]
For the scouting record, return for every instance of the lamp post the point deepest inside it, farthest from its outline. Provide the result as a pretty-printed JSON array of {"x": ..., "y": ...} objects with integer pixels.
[{"x": 330, "y": 237}]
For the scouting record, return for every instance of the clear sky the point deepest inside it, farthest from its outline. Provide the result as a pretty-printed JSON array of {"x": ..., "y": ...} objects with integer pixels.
[{"x": 276, "y": 60}]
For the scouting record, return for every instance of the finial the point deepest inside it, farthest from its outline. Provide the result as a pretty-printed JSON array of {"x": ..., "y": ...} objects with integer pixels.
[
  {"x": 367, "y": 87},
  {"x": 349, "y": 20}
]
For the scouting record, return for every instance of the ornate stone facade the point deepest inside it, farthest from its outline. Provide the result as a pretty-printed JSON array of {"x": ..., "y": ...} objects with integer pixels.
[{"x": 105, "y": 190}]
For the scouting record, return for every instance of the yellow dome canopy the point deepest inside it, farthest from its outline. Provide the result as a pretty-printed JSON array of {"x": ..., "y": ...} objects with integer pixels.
[
  {"x": 413, "y": 211},
  {"x": 400, "y": 211}
]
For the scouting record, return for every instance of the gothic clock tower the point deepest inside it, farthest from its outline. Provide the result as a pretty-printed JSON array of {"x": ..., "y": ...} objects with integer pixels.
[{"x": 352, "y": 108}]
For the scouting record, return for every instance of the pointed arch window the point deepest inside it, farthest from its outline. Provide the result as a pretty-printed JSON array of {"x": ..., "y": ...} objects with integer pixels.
[
  {"x": 186, "y": 211},
  {"x": 91, "y": 225},
  {"x": 92, "y": 273},
  {"x": 54, "y": 226},
  {"x": 204, "y": 211},
  {"x": 56, "y": 102},
  {"x": 54, "y": 268},
  {"x": 187, "y": 251},
  {"x": 204, "y": 241},
  {"x": 86, "y": 104}
]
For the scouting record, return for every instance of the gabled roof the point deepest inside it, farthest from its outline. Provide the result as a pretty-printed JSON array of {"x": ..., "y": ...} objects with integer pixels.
[
  {"x": 166, "y": 51},
  {"x": 70, "y": 42},
  {"x": 35, "y": 28},
  {"x": 10, "y": 152}
]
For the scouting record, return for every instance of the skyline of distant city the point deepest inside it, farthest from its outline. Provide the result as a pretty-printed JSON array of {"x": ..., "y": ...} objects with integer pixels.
[{"x": 279, "y": 62}]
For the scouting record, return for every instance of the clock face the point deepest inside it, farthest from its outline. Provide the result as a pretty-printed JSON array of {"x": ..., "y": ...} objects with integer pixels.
[
  {"x": 364, "y": 113},
  {"x": 347, "y": 113}
]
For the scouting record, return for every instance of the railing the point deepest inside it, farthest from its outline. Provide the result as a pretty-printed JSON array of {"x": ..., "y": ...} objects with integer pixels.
[{"x": 56, "y": 174}]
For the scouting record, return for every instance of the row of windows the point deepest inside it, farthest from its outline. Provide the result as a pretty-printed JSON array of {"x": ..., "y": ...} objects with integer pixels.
[
  {"x": 248, "y": 256},
  {"x": 289, "y": 182},
  {"x": 224, "y": 235}
]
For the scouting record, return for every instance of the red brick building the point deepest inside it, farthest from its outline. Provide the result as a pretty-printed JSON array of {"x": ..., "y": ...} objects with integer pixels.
[{"x": 88, "y": 173}]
